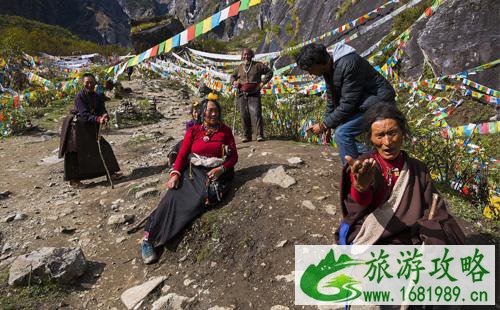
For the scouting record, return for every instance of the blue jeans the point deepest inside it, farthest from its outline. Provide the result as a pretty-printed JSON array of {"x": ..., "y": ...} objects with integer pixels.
[{"x": 345, "y": 135}]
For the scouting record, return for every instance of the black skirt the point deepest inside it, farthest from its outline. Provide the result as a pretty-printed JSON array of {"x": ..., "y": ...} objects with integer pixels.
[
  {"x": 182, "y": 205},
  {"x": 82, "y": 160}
]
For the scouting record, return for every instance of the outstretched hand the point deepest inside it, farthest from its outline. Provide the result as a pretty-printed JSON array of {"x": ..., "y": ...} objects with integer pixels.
[{"x": 363, "y": 172}]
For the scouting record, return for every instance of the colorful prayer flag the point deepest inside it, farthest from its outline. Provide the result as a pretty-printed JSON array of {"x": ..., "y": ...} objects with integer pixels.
[
  {"x": 233, "y": 9},
  {"x": 244, "y": 5},
  {"x": 207, "y": 25},
  {"x": 198, "y": 29},
  {"x": 191, "y": 32}
]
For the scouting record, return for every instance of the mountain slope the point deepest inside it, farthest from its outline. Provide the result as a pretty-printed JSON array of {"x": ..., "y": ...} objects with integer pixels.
[
  {"x": 101, "y": 21},
  {"x": 32, "y": 37}
]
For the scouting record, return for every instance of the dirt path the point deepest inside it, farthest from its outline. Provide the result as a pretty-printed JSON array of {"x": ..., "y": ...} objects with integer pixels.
[{"x": 239, "y": 255}]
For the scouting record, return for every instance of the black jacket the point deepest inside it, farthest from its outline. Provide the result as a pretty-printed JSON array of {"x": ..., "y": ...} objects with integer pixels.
[{"x": 352, "y": 82}]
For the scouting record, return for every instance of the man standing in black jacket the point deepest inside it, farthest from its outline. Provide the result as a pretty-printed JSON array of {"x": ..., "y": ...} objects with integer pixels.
[{"x": 352, "y": 85}]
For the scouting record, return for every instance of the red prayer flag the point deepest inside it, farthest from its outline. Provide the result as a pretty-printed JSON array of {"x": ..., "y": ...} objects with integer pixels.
[
  {"x": 154, "y": 51},
  {"x": 191, "y": 32},
  {"x": 428, "y": 11},
  {"x": 16, "y": 101},
  {"x": 233, "y": 9}
]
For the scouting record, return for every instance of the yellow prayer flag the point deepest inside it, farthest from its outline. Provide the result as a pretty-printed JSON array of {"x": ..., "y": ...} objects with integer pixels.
[
  {"x": 254, "y": 2},
  {"x": 460, "y": 130},
  {"x": 168, "y": 45},
  {"x": 207, "y": 25},
  {"x": 136, "y": 60}
]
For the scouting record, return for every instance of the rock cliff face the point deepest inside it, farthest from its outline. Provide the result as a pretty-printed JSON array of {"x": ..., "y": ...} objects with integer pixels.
[
  {"x": 460, "y": 35},
  {"x": 164, "y": 27},
  {"x": 101, "y": 21},
  {"x": 463, "y": 35}
]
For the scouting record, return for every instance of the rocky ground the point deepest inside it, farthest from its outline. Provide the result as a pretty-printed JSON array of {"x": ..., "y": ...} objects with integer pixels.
[{"x": 239, "y": 255}]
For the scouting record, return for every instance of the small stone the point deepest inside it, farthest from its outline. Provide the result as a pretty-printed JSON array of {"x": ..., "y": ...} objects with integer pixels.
[
  {"x": 54, "y": 159},
  {"x": 119, "y": 219},
  {"x": 287, "y": 278},
  {"x": 279, "y": 307},
  {"x": 120, "y": 239},
  {"x": 308, "y": 204},
  {"x": 188, "y": 282},
  {"x": 281, "y": 244},
  {"x": 295, "y": 160},
  {"x": 67, "y": 230},
  {"x": 213, "y": 264},
  {"x": 117, "y": 201},
  {"x": 264, "y": 153},
  {"x": 20, "y": 216},
  {"x": 165, "y": 289},
  {"x": 279, "y": 177},
  {"x": 133, "y": 296},
  {"x": 51, "y": 184},
  {"x": 9, "y": 218},
  {"x": 6, "y": 247},
  {"x": 172, "y": 301},
  {"x": 330, "y": 209},
  {"x": 104, "y": 193},
  {"x": 146, "y": 192},
  {"x": 5, "y": 194}
]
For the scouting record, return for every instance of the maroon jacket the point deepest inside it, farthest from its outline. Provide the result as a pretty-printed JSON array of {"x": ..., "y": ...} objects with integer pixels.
[{"x": 410, "y": 224}]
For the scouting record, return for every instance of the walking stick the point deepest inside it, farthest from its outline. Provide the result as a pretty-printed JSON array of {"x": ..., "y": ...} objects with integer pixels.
[
  {"x": 102, "y": 157},
  {"x": 433, "y": 209},
  {"x": 234, "y": 114}
]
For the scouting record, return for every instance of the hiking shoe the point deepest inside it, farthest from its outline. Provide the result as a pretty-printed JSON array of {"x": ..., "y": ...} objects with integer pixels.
[
  {"x": 148, "y": 253},
  {"x": 245, "y": 140},
  {"x": 260, "y": 138},
  {"x": 117, "y": 176},
  {"x": 76, "y": 184}
]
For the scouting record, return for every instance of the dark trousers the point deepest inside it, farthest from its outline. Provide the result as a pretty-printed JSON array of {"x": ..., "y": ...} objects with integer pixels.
[{"x": 251, "y": 115}]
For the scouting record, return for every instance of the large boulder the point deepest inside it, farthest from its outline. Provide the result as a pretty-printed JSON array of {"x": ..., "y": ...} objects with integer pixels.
[
  {"x": 64, "y": 265},
  {"x": 462, "y": 35},
  {"x": 150, "y": 31}
]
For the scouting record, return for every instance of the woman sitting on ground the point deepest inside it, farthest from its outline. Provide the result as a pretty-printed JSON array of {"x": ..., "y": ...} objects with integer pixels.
[
  {"x": 195, "y": 115},
  {"x": 202, "y": 174},
  {"x": 386, "y": 196}
]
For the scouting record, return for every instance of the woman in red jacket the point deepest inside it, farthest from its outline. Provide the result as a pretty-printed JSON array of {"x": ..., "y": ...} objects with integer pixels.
[{"x": 202, "y": 174}]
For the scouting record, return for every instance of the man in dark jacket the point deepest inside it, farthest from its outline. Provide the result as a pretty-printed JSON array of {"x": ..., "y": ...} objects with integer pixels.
[
  {"x": 352, "y": 85},
  {"x": 248, "y": 80}
]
